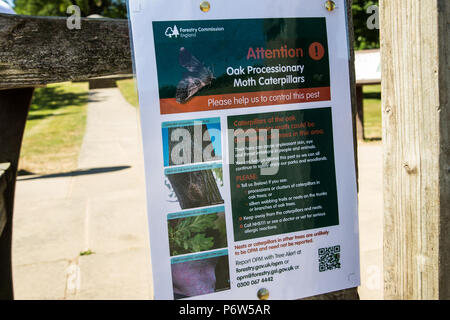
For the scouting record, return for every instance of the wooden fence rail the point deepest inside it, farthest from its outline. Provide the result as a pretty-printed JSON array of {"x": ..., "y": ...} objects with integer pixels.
[{"x": 40, "y": 50}]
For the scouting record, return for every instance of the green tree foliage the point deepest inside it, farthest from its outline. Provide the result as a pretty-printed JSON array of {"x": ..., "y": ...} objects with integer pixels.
[
  {"x": 106, "y": 8},
  {"x": 198, "y": 233},
  {"x": 364, "y": 37}
]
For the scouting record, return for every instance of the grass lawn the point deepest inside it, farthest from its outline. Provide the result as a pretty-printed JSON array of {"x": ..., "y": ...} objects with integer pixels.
[
  {"x": 128, "y": 90},
  {"x": 55, "y": 129},
  {"x": 372, "y": 112}
]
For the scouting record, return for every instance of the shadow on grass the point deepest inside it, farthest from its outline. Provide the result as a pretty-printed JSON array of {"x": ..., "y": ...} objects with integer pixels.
[
  {"x": 43, "y": 116},
  {"x": 76, "y": 173},
  {"x": 53, "y": 98}
]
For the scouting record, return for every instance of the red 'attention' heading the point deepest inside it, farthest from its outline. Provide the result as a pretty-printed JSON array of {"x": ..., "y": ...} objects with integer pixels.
[{"x": 283, "y": 52}]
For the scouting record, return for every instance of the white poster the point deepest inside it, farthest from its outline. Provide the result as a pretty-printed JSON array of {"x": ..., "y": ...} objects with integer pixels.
[{"x": 248, "y": 143}]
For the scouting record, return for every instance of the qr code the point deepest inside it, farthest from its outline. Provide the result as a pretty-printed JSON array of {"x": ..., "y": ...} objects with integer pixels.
[{"x": 329, "y": 258}]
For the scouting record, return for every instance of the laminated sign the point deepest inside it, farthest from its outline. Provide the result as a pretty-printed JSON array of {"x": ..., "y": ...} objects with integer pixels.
[{"x": 248, "y": 142}]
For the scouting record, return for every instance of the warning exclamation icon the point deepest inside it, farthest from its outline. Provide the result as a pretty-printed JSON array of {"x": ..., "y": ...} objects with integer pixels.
[{"x": 316, "y": 51}]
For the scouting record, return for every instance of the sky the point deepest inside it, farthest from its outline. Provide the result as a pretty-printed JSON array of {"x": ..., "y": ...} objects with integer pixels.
[{"x": 5, "y": 6}]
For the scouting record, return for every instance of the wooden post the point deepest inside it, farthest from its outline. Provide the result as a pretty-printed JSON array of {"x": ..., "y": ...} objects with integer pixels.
[
  {"x": 14, "y": 106},
  {"x": 415, "y": 48},
  {"x": 360, "y": 111}
]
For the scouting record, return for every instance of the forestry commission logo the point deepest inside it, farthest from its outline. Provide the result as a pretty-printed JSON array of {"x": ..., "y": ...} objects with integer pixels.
[
  {"x": 191, "y": 32},
  {"x": 172, "y": 32}
]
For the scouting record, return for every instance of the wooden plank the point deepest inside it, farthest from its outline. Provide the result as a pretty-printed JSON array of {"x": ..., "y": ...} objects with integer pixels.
[
  {"x": 14, "y": 106},
  {"x": 49, "y": 62},
  {"x": 416, "y": 116},
  {"x": 360, "y": 112},
  {"x": 40, "y": 50}
]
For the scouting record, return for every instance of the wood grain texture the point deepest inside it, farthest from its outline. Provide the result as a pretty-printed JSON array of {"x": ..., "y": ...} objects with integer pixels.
[
  {"x": 40, "y": 50},
  {"x": 414, "y": 47}
]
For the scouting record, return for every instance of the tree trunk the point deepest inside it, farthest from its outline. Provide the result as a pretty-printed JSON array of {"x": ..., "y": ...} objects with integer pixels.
[{"x": 195, "y": 189}]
